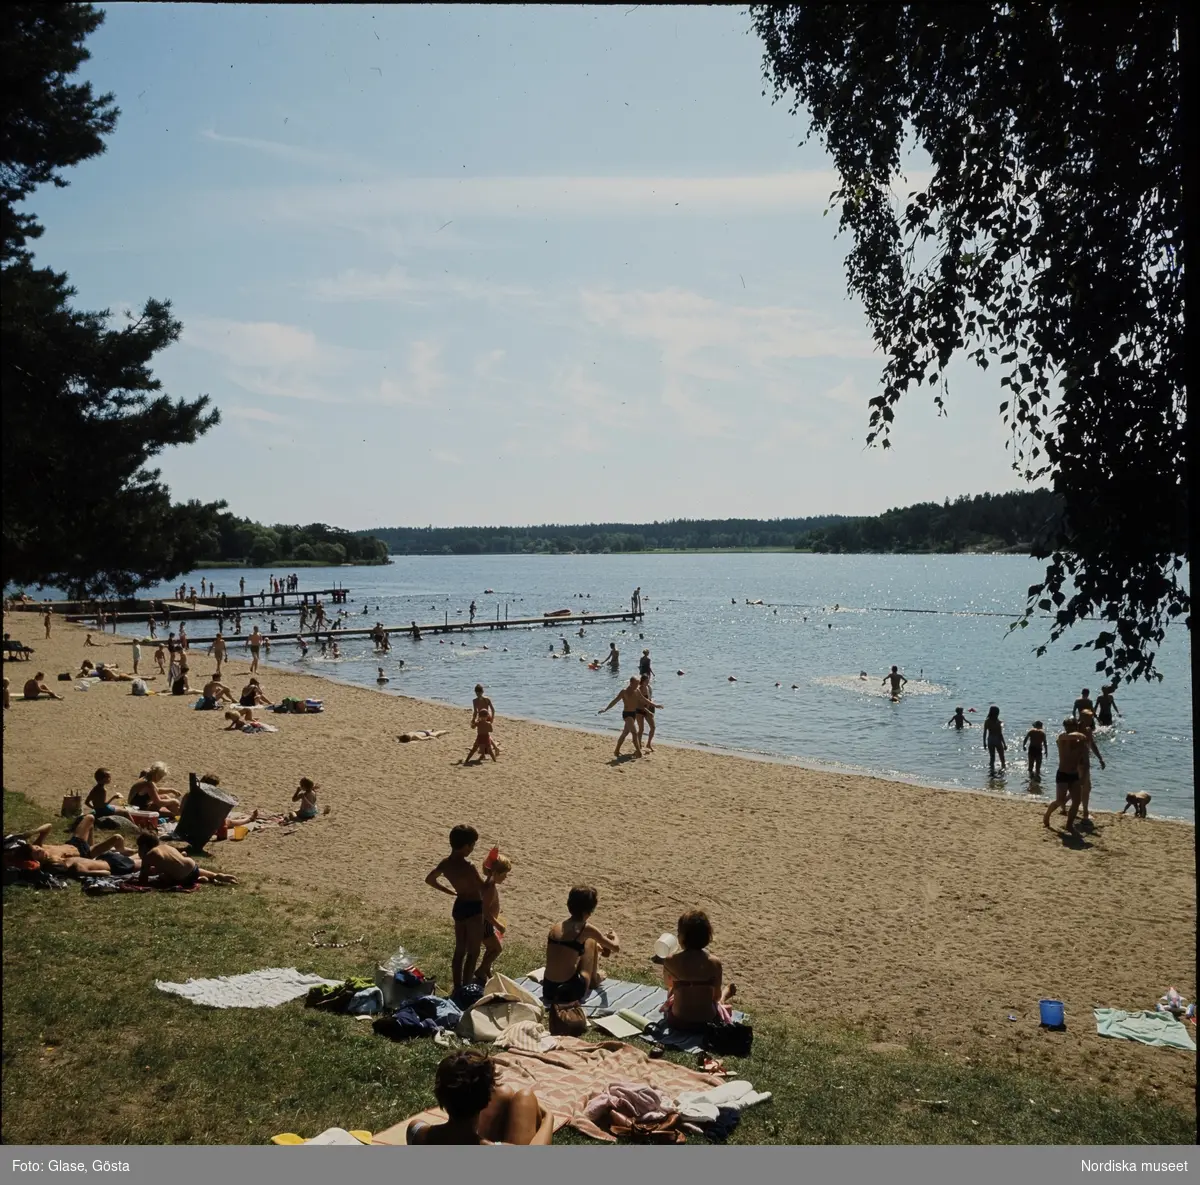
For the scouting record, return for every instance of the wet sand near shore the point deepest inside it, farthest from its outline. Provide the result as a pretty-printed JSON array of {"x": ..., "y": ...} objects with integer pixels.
[{"x": 836, "y": 898}]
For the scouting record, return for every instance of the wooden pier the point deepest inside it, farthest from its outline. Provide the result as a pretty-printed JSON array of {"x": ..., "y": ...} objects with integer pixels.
[
  {"x": 205, "y": 608},
  {"x": 438, "y": 627}
]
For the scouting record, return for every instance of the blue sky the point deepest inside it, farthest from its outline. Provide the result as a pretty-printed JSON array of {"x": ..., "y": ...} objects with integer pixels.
[{"x": 492, "y": 265}]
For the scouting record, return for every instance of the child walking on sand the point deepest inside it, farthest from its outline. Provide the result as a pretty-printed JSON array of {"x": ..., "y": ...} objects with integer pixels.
[
  {"x": 306, "y": 795},
  {"x": 497, "y": 866},
  {"x": 465, "y": 885},
  {"x": 1035, "y": 742}
]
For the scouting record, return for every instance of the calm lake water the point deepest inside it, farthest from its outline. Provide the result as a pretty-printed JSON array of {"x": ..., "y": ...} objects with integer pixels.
[{"x": 697, "y": 621}]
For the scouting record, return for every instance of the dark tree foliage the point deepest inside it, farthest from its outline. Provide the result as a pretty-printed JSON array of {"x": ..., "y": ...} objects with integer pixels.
[
  {"x": 1015, "y": 522},
  {"x": 1048, "y": 240},
  {"x": 702, "y": 534},
  {"x": 81, "y": 410},
  {"x": 243, "y": 539}
]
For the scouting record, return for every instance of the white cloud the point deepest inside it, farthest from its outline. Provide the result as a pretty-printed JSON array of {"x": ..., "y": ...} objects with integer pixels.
[
  {"x": 398, "y": 283},
  {"x": 449, "y": 198},
  {"x": 289, "y": 362},
  {"x": 712, "y": 351},
  {"x": 312, "y": 157}
]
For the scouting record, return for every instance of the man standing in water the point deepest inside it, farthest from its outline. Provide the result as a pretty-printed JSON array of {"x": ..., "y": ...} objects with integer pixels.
[
  {"x": 632, "y": 699},
  {"x": 613, "y": 661},
  {"x": 897, "y": 681}
]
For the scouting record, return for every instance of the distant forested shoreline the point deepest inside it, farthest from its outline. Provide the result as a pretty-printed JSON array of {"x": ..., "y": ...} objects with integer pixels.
[{"x": 984, "y": 522}]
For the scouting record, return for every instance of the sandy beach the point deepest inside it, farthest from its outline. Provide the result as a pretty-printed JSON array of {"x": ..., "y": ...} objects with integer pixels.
[{"x": 835, "y": 898}]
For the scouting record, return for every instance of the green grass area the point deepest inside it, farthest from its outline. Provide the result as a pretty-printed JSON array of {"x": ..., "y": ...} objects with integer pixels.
[{"x": 84, "y": 1027}]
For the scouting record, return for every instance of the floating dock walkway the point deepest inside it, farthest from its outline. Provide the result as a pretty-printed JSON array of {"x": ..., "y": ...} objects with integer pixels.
[{"x": 438, "y": 627}]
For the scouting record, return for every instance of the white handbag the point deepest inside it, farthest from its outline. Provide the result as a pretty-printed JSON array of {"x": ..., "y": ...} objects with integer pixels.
[{"x": 503, "y": 1003}]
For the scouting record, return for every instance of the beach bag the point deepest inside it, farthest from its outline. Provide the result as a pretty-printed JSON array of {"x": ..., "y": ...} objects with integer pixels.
[
  {"x": 732, "y": 1038},
  {"x": 503, "y": 1003},
  {"x": 567, "y": 1020},
  {"x": 138, "y": 687},
  {"x": 486, "y": 1020},
  {"x": 65, "y": 677},
  {"x": 72, "y": 804}
]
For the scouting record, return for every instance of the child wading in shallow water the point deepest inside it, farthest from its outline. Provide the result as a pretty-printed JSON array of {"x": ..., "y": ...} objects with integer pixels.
[
  {"x": 1035, "y": 741},
  {"x": 497, "y": 866},
  {"x": 993, "y": 738},
  {"x": 465, "y": 885}
]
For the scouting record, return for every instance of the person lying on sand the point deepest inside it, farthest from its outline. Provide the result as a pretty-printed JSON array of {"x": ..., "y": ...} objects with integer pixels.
[
  {"x": 478, "y": 1111},
  {"x": 422, "y": 734},
  {"x": 35, "y": 688},
  {"x": 573, "y": 950},
  {"x": 465, "y": 885},
  {"x": 78, "y": 856},
  {"x": 172, "y": 867},
  {"x": 110, "y": 674},
  {"x": 150, "y": 794},
  {"x": 693, "y": 977}
]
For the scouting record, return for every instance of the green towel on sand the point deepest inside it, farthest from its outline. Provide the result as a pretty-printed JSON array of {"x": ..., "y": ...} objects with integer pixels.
[{"x": 1150, "y": 1028}]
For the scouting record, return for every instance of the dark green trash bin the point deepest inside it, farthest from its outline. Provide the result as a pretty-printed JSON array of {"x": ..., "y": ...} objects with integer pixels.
[{"x": 204, "y": 811}]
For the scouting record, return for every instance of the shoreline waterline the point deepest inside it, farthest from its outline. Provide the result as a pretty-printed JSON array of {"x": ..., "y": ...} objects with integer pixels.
[{"x": 811, "y": 765}]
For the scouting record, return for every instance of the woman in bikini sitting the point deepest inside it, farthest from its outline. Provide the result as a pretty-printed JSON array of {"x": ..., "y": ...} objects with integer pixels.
[
  {"x": 477, "y": 1110},
  {"x": 693, "y": 978},
  {"x": 253, "y": 696},
  {"x": 151, "y": 795},
  {"x": 573, "y": 950}
]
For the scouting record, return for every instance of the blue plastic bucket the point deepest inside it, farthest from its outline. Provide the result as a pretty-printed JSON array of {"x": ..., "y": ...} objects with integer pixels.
[{"x": 1052, "y": 1014}]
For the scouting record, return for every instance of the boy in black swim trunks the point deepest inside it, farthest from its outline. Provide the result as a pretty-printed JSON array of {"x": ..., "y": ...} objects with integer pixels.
[
  {"x": 1072, "y": 747},
  {"x": 465, "y": 885}
]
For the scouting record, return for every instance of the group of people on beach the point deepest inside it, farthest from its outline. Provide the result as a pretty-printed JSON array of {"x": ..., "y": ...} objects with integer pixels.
[
  {"x": 1076, "y": 745},
  {"x": 694, "y": 978}
]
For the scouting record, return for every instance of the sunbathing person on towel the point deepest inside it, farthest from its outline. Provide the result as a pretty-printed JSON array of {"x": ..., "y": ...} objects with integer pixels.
[
  {"x": 78, "y": 856},
  {"x": 695, "y": 996},
  {"x": 479, "y": 1111},
  {"x": 573, "y": 950},
  {"x": 172, "y": 867}
]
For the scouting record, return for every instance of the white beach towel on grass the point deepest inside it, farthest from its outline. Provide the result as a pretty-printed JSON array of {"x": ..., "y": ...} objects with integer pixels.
[{"x": 257, "y": 989}]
